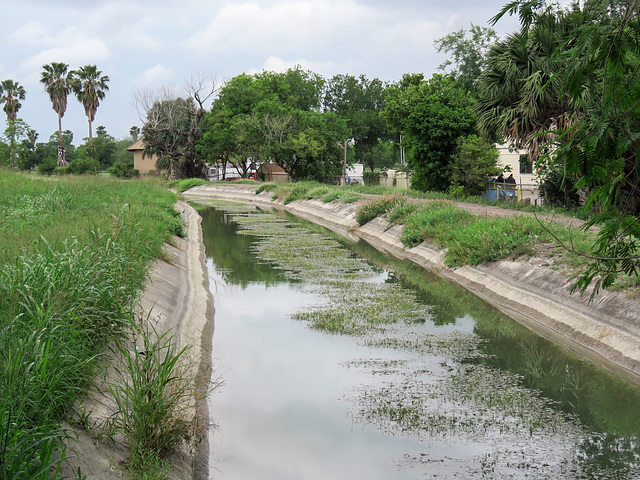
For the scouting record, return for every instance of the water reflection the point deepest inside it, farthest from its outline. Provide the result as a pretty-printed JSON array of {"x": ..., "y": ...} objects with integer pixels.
[
  {"x": 233, "y": 256},
  {"x": 287, "y": 385}
]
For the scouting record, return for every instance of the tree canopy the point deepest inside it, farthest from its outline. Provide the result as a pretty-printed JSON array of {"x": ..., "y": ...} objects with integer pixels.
[
  {"x": 431, "y": 114},
  {"x": 582, "y": 101},
  {"x": 275, "y": 117}
]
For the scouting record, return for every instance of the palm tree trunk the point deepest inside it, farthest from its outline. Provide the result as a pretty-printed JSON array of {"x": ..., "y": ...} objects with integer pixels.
[{"x": 62, "y": 161}]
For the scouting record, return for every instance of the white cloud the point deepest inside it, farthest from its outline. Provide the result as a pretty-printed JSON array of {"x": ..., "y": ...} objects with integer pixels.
[
  {"x": 277, "y": 64},
  {"x": 153, "y": 77},
  {"x": 31, "y": 34},
  {"x": 80, "y": 50},
  {"x": 289, "y": 26}
]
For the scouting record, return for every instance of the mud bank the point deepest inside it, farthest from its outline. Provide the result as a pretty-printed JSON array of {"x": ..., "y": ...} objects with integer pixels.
[
  {"x": 177, "y": 299},
  {"x": 605, "y": 332}
]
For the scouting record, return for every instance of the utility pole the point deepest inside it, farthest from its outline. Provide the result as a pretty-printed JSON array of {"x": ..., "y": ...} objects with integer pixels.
[{"x": 344, "y": 165}]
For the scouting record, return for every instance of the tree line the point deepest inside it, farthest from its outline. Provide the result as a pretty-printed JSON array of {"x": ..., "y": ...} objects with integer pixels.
[{"x": 89, "y": 86}]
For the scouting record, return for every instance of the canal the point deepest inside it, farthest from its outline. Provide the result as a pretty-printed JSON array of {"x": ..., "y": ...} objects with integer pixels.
[{"x": 340, "y": 362}]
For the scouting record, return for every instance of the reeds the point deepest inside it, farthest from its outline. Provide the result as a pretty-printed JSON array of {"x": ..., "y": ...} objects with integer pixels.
[
  {"x": 74, "y": 258},
  {"x": 154, "y": 393}
]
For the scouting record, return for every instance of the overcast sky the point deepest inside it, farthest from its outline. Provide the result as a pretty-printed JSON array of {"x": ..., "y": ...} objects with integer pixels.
[{"x": 149, "y": 44}]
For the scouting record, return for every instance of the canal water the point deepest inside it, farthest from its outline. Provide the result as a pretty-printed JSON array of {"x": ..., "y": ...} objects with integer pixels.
[{"x": 339, "y": 362}]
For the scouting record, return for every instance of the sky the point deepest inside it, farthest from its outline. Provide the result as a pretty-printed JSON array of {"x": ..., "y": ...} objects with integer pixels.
[{"x": 146, "y": 45}]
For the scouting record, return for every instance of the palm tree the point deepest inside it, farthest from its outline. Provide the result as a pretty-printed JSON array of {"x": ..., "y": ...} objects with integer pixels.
[
  {"x": 10, "y": 94},
  {"x": 521, "y": 97},
  {"x": 89, "y": 86},
  {"x": 134, "y": 131},
  {"x": 56, "y": 83}
]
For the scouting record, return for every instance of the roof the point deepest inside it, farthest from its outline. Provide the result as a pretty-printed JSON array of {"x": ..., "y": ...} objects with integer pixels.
[
  {"x": 270, "y": 167},
  {"x": 137, "y": 145}
]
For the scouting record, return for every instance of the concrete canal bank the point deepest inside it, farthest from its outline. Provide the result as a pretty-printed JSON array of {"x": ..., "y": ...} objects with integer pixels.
[
  {"x": 606, "y": 331},
  {"x": 177, "y": 299}
]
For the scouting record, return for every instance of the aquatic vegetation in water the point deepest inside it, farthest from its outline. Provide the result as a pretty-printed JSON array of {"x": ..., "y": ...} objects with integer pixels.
[{"x": 429, "y": 382}]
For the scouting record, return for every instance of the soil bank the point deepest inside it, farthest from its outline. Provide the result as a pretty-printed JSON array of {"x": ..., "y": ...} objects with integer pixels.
[{"x": 605, "y": 331}]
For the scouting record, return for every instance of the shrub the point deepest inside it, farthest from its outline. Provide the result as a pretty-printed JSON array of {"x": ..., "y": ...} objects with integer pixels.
[
  {"x": 83, "y": 166},
  {"x": 123, "y": 170},
  {"x": 48, "y": 166}
]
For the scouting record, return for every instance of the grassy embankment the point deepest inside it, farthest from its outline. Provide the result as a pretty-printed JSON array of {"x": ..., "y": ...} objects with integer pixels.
[
  {"x": 470, "y": 239},
  {"x": 74, "y": 259}
]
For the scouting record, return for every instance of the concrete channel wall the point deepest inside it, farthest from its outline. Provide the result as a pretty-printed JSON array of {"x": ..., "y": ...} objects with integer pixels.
[{"x": 606, "y": 331}]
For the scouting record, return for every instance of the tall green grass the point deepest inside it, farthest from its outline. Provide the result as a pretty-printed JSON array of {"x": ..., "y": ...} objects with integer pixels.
[
  {"x": 469, "y": 239},
  {"x": 379, "y": 207},
  {"x": 151, "y": 392},
  {"x": 75, "y": 257}
]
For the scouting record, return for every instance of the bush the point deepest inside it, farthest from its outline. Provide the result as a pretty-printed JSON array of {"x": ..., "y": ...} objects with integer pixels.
[
  {"x": 48, "y": 166},
  {"x": 83, "y": 166},
  {"x": 558, "y": 190},
  {"x": 123, "y": 170}
]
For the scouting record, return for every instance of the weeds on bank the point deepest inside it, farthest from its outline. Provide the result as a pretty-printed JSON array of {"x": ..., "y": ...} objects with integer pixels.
[
  {"x": 154, "y": 391},
  {"x": 309, "y": 191},
  {"x": 74, "y": 257},
  {"x": 379, "y": 207},
  {"x": 467, "y": 238}
]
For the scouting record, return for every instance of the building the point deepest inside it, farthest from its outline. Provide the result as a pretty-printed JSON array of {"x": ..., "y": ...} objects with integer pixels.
[
  {"x": 517, "y": 163},
  {"x": 520, "y": 166},
  {"x": 144, "y": 164},
  {"x": 271, "y": 172}
]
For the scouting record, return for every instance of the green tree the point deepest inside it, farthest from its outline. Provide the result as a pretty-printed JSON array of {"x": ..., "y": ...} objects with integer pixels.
[
  {"x": 298, "y": 89},
  {"x": 468, "y": 52},
  {"x": 10, "y": 95},
  {"x": 90, "y": 87},
  {"x": 260, "y": 118},
  {"x": 104, "y": 148},
  {"x": 173, "y": 127},
  {"x": 520, "y": 94},
  {"x": 472, "y": 164},
  {"x": 360, "y": 102},
  {"x": 166, "y": 132},
  {"x": 134, "y": 131},
  {"x": 431, "y": 115},
  {"x": 598, "y": 69},
  {"x": 314, "y": 148},
  {"x": 55, "y": 78}
]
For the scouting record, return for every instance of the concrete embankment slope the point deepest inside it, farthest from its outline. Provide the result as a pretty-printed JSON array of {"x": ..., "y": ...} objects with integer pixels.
[
  {"x": 606, "y": 331},
  {"x": 176, "y": 299}
]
